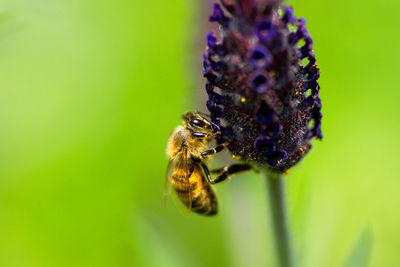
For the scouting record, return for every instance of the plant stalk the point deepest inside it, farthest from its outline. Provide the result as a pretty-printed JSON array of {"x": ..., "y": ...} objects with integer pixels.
[{"x": 277, "y": 202}]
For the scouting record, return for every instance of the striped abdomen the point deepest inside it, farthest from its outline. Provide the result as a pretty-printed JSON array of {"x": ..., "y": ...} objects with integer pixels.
[{"x": 195, "y": 190}]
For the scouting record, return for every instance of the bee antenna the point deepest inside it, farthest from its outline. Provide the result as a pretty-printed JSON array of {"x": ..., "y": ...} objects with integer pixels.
[
  {"x": 215, "y": 126},
  {"x": 208, "y": 119},
  {"x": 203, "y": 114}
]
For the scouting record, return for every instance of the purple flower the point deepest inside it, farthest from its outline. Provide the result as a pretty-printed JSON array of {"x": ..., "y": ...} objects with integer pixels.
[{"x": 262, "y": 82}]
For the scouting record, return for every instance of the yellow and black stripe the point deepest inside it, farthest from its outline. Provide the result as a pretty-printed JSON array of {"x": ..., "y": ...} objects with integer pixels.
[{"x": 195, "y": 192}]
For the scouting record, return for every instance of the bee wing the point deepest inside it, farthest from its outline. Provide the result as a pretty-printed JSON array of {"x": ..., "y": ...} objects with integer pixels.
[
  {"x": 187, "y": 176},
  {"x": 167, "y": 181},
  {"x": 181, "y": 167}
]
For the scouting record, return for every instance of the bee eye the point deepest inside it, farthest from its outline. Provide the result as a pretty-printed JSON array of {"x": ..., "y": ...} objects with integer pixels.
[{"x": 197, "y": 123}]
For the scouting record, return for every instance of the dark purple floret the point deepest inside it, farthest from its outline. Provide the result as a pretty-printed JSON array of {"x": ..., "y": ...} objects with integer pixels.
[
  {"x": 264, "y": 115},
  {"x": 264, "y": 145},
  {"x": 260, "y": 57},
  {"x": 288, "y": 16},
  {"x": 272, "y": 131},
  {"x": 262, "y": 82},
  {"x": 266, "y": 31},
  {"x": 219, "y": 16},
  {"x": 277, "y": 158},
  {"x": 211, "y": 39}
]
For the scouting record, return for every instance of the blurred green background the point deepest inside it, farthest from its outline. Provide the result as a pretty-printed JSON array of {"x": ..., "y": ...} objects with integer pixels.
[{"x": 90, "y": 91}]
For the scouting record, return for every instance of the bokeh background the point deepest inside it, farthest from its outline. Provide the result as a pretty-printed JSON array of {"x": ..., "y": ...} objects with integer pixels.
[{"x": 90, "y": 91}]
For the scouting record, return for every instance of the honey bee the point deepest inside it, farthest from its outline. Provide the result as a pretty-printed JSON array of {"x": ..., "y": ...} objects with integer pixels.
[{"x": 187, "y": 172}]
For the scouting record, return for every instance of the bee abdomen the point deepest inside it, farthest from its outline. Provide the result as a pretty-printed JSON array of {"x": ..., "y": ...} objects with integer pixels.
[
  {"x": 208, "y": 206},
  {"x": 196, "y": 193},
  {"x": 201, "y": 198},
  {"x": 204, "y": 200}
]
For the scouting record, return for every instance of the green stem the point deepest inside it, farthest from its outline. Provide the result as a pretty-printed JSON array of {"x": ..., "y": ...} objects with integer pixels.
[{"x": 276, "y": 195}]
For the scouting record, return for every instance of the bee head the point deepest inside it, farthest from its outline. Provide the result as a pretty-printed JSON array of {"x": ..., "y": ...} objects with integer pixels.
[{"x": 199, "y": 124}]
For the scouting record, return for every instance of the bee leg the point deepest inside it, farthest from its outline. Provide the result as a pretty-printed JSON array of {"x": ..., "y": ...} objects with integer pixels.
[
  {"x": 200, "y": 135},
  {"x": 214, "y": 150},
  {"x": 206, "y": 172},
  {"x": 225, "y": 172},
  {"x": 230, "y": 170}
]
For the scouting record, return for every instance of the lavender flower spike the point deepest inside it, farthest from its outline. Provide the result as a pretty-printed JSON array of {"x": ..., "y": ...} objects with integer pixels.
[{"x": 262, "y": 82}]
